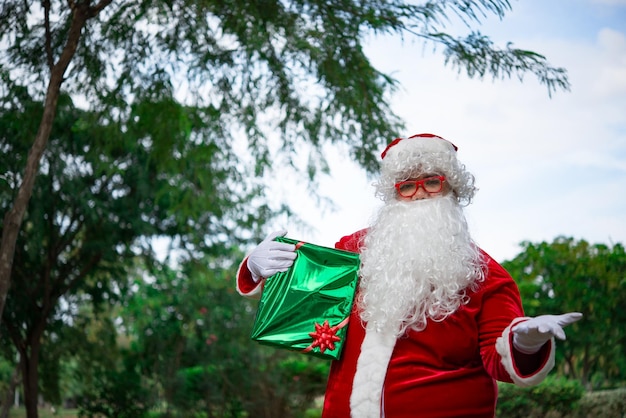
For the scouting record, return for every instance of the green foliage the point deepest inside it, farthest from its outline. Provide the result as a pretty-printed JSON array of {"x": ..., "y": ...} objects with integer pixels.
[
  {"x": 516, "y": 402},
  {"x": 307, "y": 375},
  {"x": 100, "y": 199},
  {"x": 85, "y": 353},
  {"x": 190, "y": 335},
  {"x": 115, "y": 394},
  {"x": 554, "y": 394},
  {"x": 6, "y": 371},
  {"x": 568, "y": 275},
  {"x": 256, "y": 69},
  {"x": 478, "y": 56},
  {"x": 606, "y": 403}
]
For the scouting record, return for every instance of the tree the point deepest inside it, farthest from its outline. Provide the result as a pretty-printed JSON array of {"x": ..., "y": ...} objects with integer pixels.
[
  {"x": 295, "y": 68},
  {"x": 568, "y": 275},
  {"x": 13, "y": 219},
  {"x": 99, "y": 199}
]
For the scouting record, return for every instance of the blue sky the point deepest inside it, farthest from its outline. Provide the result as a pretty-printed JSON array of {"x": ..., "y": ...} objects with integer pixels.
[{"x": 544, "y": 166}]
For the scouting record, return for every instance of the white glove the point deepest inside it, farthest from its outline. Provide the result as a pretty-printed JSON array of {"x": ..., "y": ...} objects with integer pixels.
[
  {"x": 529, "y": 336},
  {"x": 271, "y": 257}
]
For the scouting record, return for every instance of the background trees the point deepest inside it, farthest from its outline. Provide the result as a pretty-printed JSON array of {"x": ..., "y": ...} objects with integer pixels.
[
  {"x": 569, "y": 275},
  {"x": 189, "y": 335},
  {"x": 100, "y": 197}
]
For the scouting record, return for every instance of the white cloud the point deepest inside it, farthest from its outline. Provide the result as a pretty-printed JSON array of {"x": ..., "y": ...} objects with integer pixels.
[{"x": 612, "y": 76}]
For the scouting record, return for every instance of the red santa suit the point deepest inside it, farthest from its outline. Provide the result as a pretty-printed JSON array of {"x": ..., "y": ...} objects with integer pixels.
[
  {"x": 450, "y": 368},
  {"x": 447, "y": 370}
]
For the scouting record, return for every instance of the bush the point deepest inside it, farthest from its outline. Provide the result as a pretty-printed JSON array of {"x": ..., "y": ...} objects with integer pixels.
[
  {"x": 554, "y": 394},
  {"x": 115, "y": 394},
  {"x": 605, "y": 404}
]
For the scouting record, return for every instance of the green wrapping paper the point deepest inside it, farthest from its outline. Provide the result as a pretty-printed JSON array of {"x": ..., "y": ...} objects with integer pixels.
[{"x": 307, "y": 307}]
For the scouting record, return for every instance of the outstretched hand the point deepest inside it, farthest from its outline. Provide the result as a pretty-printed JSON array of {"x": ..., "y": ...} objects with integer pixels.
[
  {"x": 271, "y": 257},
  {"x": 529, "y": 336}
]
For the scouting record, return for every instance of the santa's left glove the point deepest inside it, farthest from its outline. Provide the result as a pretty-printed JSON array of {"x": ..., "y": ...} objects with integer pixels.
[
  {"x": 529, "y": 336},
  {"x": 271, "y": 257}
]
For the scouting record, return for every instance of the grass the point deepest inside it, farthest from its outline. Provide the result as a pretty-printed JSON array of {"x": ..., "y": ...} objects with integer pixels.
[{"x": 44, "y": 413}]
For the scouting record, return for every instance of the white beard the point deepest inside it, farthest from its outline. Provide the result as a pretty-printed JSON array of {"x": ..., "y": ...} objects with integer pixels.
[{"x": 418, "y": 260}]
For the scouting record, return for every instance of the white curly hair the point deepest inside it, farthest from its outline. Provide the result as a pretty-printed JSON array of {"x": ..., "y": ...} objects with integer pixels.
[{"x": 410, "y": 157}]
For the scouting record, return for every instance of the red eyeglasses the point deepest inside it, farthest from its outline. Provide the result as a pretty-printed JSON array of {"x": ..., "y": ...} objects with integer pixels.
[{"x": 409, "y": 188}]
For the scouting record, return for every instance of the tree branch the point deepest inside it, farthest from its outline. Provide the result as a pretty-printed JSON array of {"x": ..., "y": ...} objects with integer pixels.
[{"x": 48, "y": 38}]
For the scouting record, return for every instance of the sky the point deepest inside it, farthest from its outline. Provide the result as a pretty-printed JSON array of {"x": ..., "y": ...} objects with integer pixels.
[{"x": 545, "y": 167}]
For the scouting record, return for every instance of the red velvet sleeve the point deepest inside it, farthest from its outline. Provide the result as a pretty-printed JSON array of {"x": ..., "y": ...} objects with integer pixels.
[{"x": 502, "y": 307}]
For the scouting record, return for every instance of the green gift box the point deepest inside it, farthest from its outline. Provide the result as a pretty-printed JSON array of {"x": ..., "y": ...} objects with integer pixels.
[{"x": 307, "y": 307}]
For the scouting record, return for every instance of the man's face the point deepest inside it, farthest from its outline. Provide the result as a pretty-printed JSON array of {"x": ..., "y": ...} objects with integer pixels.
[{"x": 423, "y": 186}]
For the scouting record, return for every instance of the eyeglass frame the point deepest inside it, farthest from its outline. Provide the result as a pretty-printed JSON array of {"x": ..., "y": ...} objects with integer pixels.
[{"x": 419, "y": 183}]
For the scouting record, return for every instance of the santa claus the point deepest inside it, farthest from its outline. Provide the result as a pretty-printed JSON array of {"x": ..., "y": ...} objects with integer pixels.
[{"x": 436, "y": 320}]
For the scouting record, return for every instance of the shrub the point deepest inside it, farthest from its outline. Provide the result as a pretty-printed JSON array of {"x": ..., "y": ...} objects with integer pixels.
[
  {"x": 554, "y": 394},
  {"x": 115, "y": 394},
  {"x": 605, "y": 404}
]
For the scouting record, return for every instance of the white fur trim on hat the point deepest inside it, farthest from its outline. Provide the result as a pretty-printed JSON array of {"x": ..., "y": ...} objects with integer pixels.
[
  {"x": 504, "y": 347},
  {"x": 371, "y": 369},
  {"x": 408, "y": 152},
  {"x": 422, "y": 143}
]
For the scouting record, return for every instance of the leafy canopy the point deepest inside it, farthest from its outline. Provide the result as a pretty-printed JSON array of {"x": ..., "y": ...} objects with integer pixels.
[{"x": 292, "y": 70}]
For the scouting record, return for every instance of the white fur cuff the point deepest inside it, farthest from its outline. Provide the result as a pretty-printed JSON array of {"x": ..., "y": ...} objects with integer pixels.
[
  {"x": 504, "y": 347},
  {"x": 245, "y": 284}
]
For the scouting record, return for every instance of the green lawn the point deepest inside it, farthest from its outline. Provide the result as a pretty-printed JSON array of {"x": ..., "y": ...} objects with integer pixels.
[{"x": 44, "y": 413}]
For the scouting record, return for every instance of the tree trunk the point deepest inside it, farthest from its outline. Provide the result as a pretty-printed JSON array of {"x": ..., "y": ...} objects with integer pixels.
[
  {"x": 13, "y": 218},
  {"x": 30, "y": 367},
  {"x": 29, "y": 371}
]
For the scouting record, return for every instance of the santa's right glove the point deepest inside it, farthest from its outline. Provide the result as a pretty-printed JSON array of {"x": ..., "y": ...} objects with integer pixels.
[
  {"x": 271, "y": 257},
  {"x": 529, "y": 336}
]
